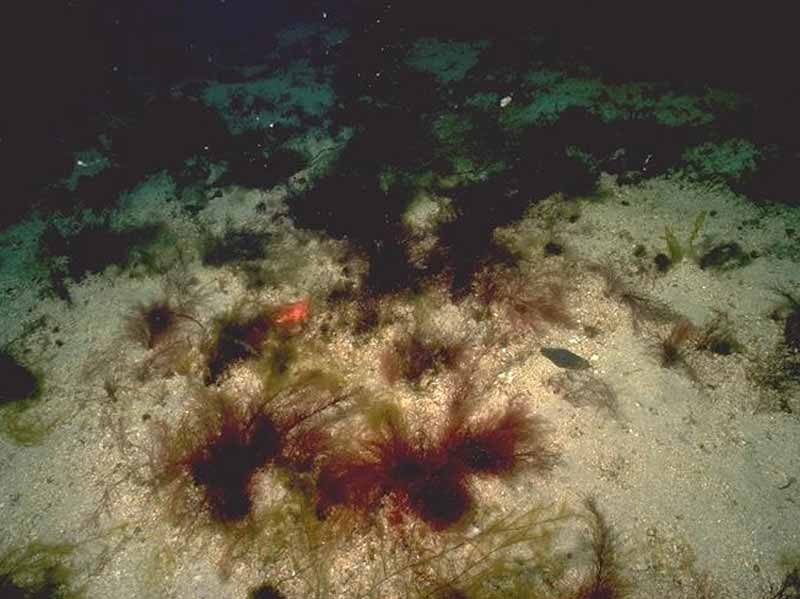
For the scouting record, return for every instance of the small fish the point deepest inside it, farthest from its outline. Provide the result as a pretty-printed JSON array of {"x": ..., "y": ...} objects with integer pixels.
[
  {"x": 294, "y": 313},
  {"x": 563, "y": 358}
]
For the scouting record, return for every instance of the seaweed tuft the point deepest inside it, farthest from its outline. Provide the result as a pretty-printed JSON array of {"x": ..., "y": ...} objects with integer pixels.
[
  {"x": 605, "y": 579},
  {"x": 526, "y": 305},
  {"x": 411, "y": 357},
  {"x": 156, "y": 322},
  {"x": 671, "y": 347},
  {"x": 428, "y": 478},
  {"x": 208, "y": 463},
  {"x": 641, "y": 307},
  {"x": 266, "y": 591}
]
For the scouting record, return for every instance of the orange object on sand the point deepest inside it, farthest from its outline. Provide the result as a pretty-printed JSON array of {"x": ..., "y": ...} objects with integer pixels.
[{"x": 293, "y": 313}]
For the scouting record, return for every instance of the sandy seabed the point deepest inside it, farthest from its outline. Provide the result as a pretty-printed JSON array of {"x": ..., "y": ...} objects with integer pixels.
[{"x": 694, "y": 467}]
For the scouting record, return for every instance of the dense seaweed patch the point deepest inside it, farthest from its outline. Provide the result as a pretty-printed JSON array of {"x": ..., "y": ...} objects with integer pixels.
[
  {"x": 428, "y": 478},
  {"x": 225, "y": 441}
]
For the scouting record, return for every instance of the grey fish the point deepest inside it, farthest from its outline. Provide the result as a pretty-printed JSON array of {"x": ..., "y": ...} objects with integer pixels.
[{"x": 563, "y": 358}]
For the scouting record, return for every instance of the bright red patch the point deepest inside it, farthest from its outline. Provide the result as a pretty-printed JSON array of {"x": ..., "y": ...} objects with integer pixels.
[{"x": 294, "y": 313}]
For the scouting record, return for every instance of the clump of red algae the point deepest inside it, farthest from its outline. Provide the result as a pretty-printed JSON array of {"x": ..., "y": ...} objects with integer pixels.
[
  {"x": 211, "y": 459},
  {"x": 428, "y": 478}
]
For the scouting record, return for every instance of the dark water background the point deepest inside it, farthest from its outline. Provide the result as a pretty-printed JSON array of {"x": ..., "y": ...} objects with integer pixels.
[{"x": 70, "y": 60}]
